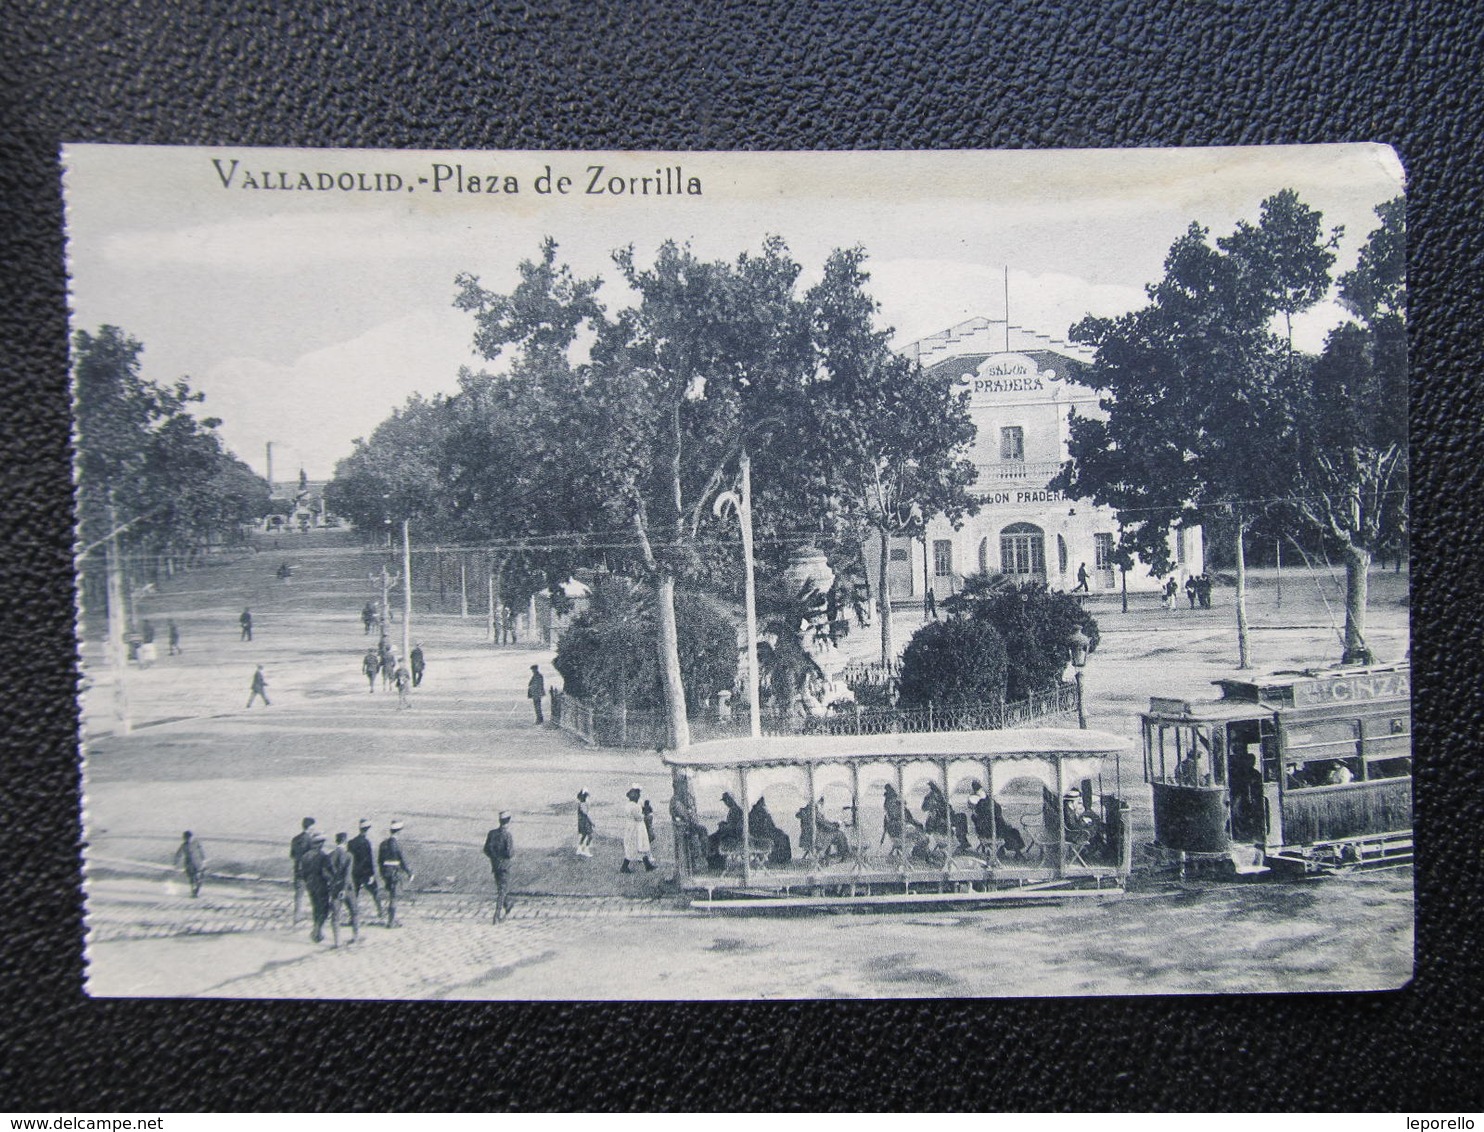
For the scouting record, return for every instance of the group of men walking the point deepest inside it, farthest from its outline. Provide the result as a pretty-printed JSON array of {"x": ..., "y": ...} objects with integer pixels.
[
  {"x": 382, "y": 661},
  {"x": 333, "y": 876}
]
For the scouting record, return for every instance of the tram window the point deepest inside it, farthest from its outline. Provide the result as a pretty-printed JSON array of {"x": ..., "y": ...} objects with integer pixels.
[
  {"x": 1389, "y": 768},
  {"x": 1336, "y": 739},
  {"x": 1187, "y": 756}
]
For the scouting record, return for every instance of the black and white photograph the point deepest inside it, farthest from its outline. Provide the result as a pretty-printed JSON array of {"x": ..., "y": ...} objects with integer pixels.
[{"x": 517, "y": 575}]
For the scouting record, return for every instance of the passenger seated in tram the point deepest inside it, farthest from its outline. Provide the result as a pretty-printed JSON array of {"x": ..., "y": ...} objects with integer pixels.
[
  {"x": 728, "y": 835},
  {"x": 826, "y": 837},
  {"x": 762, "y": 830},
  {"x": 981, "y": 806},
  {"x": 937, "y": 814},
  {"x": 1339, "y": 775},
  {"x": 1083, "y": 826},
  {"x": 901, "y": 826},
  {"x": 1188, "y": 772}
]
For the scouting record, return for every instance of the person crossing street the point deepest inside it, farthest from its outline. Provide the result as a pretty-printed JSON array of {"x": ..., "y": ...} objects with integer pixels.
[
  {"x": 259, "y": 688},
  {"x": 393, "y": 865},
  {"x": 499, "y": 847},
  {"x": 363, "y": 870},
  {"x": 192, "y": 858}
]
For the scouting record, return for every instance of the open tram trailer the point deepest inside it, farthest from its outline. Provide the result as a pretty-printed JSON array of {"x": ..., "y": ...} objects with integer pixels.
[
  {"x": 1069, "y": 840},
  {"x": 1298, "y": 772}
]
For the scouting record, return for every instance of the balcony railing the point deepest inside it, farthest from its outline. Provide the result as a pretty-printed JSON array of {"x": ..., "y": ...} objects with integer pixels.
[{"x": 1030, "y": 473}]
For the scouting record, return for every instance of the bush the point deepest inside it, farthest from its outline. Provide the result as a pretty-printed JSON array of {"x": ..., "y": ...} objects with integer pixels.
[
  {"x": 608, "y": 655},
  {"x": 1034, "y": 624},
  {"x": 953, "y": 662}
]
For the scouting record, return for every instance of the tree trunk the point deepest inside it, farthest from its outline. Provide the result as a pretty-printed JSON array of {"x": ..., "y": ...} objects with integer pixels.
[
  {"x": 670, "y": 678},
  {"x": 1357, "y": 582},
  {"x": 1244, "y": 649},
  {"x": 883, "y": 596}
]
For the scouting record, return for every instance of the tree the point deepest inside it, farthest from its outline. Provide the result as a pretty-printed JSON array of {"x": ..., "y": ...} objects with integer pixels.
[
  {"x": 1353, "y": 432},
  {"x": 1202, "y": 398},
  {"x": 891, "y": 438},
  {"x": 396, "y": 474},
  {"x": 1034, "y": 624},
  {"x": 793, "y": 619},
  {"x": 954, "y": 662}
]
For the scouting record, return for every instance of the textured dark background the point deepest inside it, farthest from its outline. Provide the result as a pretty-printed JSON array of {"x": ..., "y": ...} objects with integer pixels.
[{"x": 672, "y": 75}]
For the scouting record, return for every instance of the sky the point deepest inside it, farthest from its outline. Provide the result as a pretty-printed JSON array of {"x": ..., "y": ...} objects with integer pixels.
[{"x": 306, "y": 315}]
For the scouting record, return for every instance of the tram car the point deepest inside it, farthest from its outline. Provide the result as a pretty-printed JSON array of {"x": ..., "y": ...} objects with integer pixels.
[
  {"x": 1293, "y": 773},
  {"x": 931, "y": 819}
]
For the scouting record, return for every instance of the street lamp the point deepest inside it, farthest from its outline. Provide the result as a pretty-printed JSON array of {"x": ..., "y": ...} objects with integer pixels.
[{"x": 1079, "y": 642}]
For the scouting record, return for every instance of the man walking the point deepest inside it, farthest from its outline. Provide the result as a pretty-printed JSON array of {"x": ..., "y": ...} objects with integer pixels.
[
  {"x": 259, "y": 688},
  {"x": 1082, "y": 586},
  {"x": 499, "y": 847},
  {"x": 368, "y": 617},
  {"x": 192, "y": 858},
  {"x": 403, "y": 680},
  {"x": 419, "y": 663},
  {"x": 393, "y": 865},
  {"x": 370, "y": 666},
  {"x": 536, "y": 692},
  {"x": 298, "y": 847},
  {"x": 635, "y": 834},
  {"x": 363, "y": 867},
  {"x": 174, "y": 637},
  {"x": 1191, "y": 586},
  {"x": 315, "y": 865},
  {"x": 246, "y": 622},
  {"x": 342, "y": 891}
]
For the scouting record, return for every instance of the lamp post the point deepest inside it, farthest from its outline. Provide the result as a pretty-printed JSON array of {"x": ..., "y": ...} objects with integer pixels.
[{"x": 1078, "y": 643}]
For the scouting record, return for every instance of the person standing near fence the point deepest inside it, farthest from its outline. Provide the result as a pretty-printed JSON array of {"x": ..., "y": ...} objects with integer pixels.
[{"x": 536, "y": 692}]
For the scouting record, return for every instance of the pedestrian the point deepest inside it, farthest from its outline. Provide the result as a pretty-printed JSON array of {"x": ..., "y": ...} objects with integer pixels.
[
  {"x": 259, "y": 688},
  {"x": 174, "y": 638},
  {"x": 363, "y": 870},
  {"x": 635, "y": 834},
  {"x": 393, "y": 865},
  {"x": 499, "y": 847},
  {"x": 370, "y": 666},
  {"x": 403, "y": 680},
  {"x": 368, "y": 618},
  {"x": 648, "y": 811},
  {"x": 1190, "y": 590},
  {"x": 1204, "y": 583},
  {"x": 419, "y": 663},
  {"x": 584, "y": 826},
  {"x": 246, "y": 622},
  {"x": 388, "y": 667},
  {"x": 932, "y": 604},
  {"x": 315, "y": 866},
  {"x": 1082, "y": 577},
  {"x": 299, "y": 846},
  {"x": 342, "y": 893},
  {"x": 192, "y": 858},
  {"x": 536, "y": 691},
  {"x": 1172, "y": 588},
  {"x": 147, "y": 631}
]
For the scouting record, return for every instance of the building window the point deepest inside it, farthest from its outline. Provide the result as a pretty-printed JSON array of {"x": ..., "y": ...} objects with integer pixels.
[
  {"x": 1061, "y": 554},
  {"x": 1023, "y": 552},
  {"x": 1180, "y": 546},
  {"x": 1012, "y": 445},
  {"x": 942, "y": 558},
  {"x": 1102, "y": 549}
]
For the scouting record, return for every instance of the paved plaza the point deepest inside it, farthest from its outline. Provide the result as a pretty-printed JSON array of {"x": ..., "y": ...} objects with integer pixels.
[{"x": 468, "y": 746}]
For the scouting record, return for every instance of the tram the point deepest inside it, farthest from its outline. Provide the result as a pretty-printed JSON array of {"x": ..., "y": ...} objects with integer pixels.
[
  {"x": 929, "y": 819},
  {"x": 1297, "y": 772}
]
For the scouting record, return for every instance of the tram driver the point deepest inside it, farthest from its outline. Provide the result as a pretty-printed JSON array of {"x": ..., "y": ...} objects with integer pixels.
[{"x": 1188, "y": 771}]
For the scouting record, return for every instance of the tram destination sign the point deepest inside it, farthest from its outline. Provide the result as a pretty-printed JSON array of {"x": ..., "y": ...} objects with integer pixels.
[{"x": 1345, "y": 688}]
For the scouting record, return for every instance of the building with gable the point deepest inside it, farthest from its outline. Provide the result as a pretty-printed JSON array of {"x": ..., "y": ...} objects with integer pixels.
[{"x": 1021, "y": 399}]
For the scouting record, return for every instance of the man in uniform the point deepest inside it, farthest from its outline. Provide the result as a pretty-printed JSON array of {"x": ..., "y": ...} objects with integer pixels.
[
  {"x": 499, "y": 847},
  {"x": 363, "y": 867},
  {"x": 315, "y": 867},
  {"x": 370, "y": 666},
  {"x": 338, "y": 868},
  {"x": 393, "y": 865},
  {"x": 297, "y": 848}
]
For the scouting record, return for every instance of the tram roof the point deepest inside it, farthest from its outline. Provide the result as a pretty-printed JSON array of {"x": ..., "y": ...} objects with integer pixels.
[{"x": 1040, "y": 742}]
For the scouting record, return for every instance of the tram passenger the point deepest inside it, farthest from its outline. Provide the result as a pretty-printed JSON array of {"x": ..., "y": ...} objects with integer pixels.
[
  {"x": 901, "y": 826},
  {"x": 826, "y": 837},
  {"x": 937, "y": 812},
  {"x": 1011, "y": 839},
  {"x": 692, "y": 845},
  {"x": 1339, "y": 775},
  {"x": 763, "y": 831},
  {"x": 1188, "y": 771},
  {"x": 728, "y": 834}
]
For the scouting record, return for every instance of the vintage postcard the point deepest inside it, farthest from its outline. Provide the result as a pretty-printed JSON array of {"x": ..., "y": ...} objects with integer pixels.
[{"x": 553, "y": 575}]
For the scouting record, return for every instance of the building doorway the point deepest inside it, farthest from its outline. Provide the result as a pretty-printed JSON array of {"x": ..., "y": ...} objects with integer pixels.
[{"x": 1023, "y": 552}]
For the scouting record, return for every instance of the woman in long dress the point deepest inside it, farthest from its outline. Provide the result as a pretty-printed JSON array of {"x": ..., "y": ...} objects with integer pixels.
[{"x": 635, "y": 834}]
